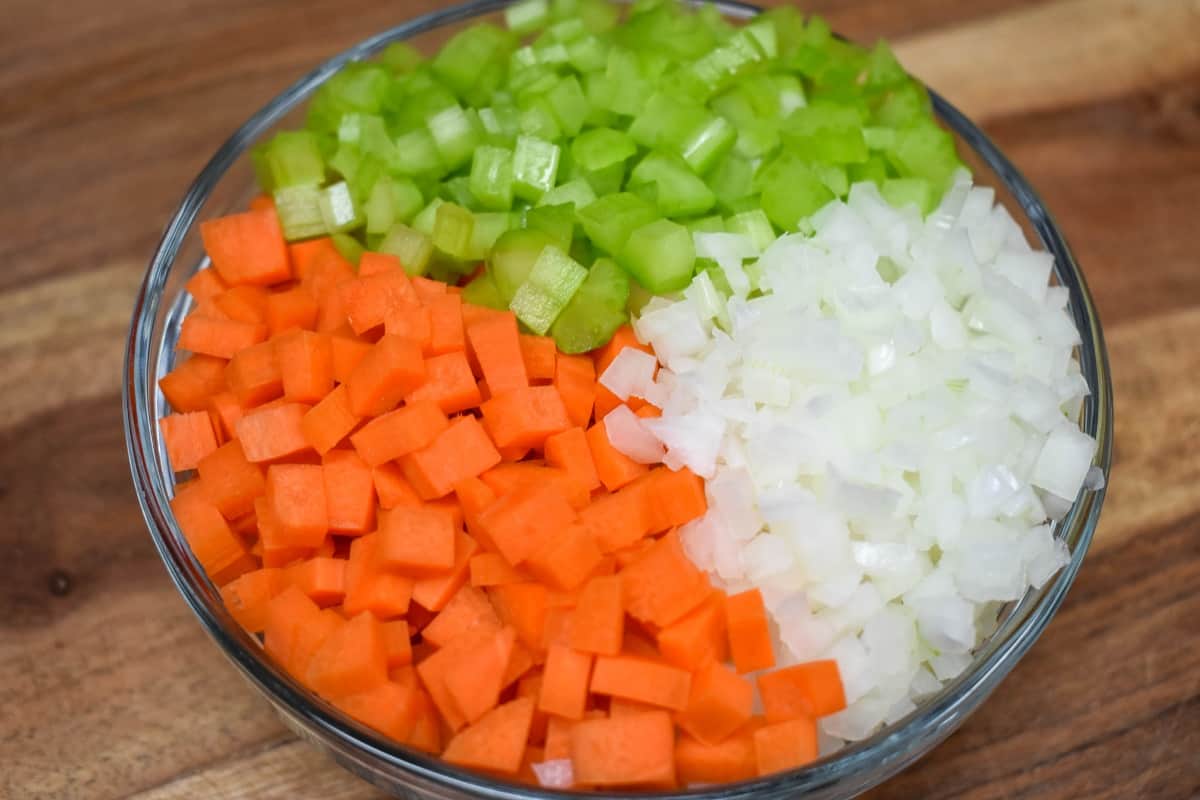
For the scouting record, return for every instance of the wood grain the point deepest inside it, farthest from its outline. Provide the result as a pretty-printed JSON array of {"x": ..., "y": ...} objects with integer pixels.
[{"x": 109, "y": 689}]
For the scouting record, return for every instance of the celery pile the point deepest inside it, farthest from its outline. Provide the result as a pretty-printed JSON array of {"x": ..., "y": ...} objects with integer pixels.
[{"x": 576, "y": 154}]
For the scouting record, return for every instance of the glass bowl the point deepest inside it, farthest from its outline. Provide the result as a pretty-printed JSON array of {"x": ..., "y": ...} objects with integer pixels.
[{"x": 226, "y": 183}]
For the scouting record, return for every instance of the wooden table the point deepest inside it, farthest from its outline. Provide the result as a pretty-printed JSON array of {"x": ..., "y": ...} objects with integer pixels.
[{"x": 109, "y": 689}]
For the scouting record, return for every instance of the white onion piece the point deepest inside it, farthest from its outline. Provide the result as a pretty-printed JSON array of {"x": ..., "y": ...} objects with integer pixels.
[
  {"x": 631, "y": 374},
  {"x": 556, "y": 774},
  {"x": 627, "y": 433}
]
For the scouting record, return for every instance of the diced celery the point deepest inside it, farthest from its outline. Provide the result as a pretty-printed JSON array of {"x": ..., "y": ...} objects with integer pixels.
[
  {"x": 875, "y": 168},
  {"x": 598, "y": 16},
  {"x": 489, "y": 226},
  {"x": 609, "y": 221},
  {"x": 416, "y": 107},
  {"x": 512, "y": 257},
  {"x": 295, "y": 160},
  {"x": 602, "y": 147},
  {"x": 299, "y": 209},
  {"x": 754, "y": 225},
  {"x": 492, "y": 177},
  {"x": 710, "y": 224},
  {"x": 588, "y": 54},
  {"x": 679, "y": 192},
  {"x": 453, "y": 227},
  {"x": 426, "y": 218},
  {"x": 448, "y": 270},
  {"x": 262, "y": 167},
  {"x": 607, "y": 180},
  {"x": 639, "y": 296},
  {"x": 660, "y": 255},
  {"x": 482, "y": 291},
  {"x": 826, "y": 133},
  {"x": 458, "y": 190},
  {"x": 474, "y": 58},
  {"x": 557, "y": 222},
  {"x": 577, "y": 193},
  {"x": 882, "y": 67},
  {"x": 348, "y": 247},
  {"x": 456, "y": 133},
  {"x": 666, "y": 120},
  {"x": 345, "y": 160},
  {"x": 706, "y": 144},
  {"x": 791, "y": 191},
  {"x": 763, "y": 31},
  {"x": 391, "y": 200},
  {"x": 596, "y": 311},
  {"x": 338, "y": 209},
  {"x": 416, "y": 154},
  {"x": 537, "y": 119},
  {"x": 366, "y": 174},
  {"x": 903, "y": 105},
  {"x": 552, "y": 282},
  {"x": 413, "y": 248},
  {"x": 925, "y": 151},
  {"x": 879, "y": 138},
  {"x": 535, "y": 167},
  {"x": 527, "y": 16},
  {"x": 901, "y": 192},
  {"x": 629, "y": 88},
  {"x": 500, "y": 124},
  {"x": 569, "y": 105},
  {"x": 721, "y": 66},
  {"x": 732, "y": 180},
  {"x": 401, "y": 58},
  {"x": 789, "y": 26}
]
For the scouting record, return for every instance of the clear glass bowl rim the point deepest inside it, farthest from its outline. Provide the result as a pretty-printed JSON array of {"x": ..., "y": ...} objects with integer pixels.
[{"x": 855, "y": 768}]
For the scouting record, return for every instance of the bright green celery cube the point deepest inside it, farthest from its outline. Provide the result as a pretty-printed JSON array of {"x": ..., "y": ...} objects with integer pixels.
[
  {"x": 902, "y": 106},
  {"x": 294, "y": 159},
  {"x": 552, "y": 282},
  {"x": 391, "y": 200},
  {"x": 552, "y": 53},
  {"x": 456, "y": 133},
  {"x": 665, "y": 121},
  {"x": 925, "y": 151},
  {"x": 681, "y": 36},
  {"x": 473, "y": 56},
  {"x": 426, "y": 218},
  {"x": 879, "y": 138},
  {"x": 569, "y": 105},
  {"x": 338, "y": 209},
  {"x": 527, "y": 16},
  {"x": 596, "y": 311},
  {"x": 789, "y": 27},
  {"x": 348, "y": 247},
  {"x": 537, "y": 119},
  {"x": 588, "y": 54},
  {"x": 875, "y": 169},
  {"x": 366, "y": 175},
  {"x": 412, "y": 247},
  {"x": 512, "y": 257},
  {"x": 453, "y": 227},
  {"x": 482, "y": 291},
  {"x": 598, "y": 16},
  {"x": 566, "y": 30},
  {"x": 732, "y": 180},
  {"x": 500, "y": 123},
  {"x": 344, "y": 161},
  {"x": 609, "y": 221},
  {"x": 557, "y": 222},
  {"x": 763, "y": 31},
  {"x": 679, "y": 192},
  {"x": 707, "y": 144},
  {"x": 492, "y": 177},
  {"x": 723, "y": 65},
  {"x": 607, "y": 180},
  {"x": 535, "y": 167},
  {"x": 401, "y": 58},
  {"x": 834, "y": 176},
  {"x": 826, "y": 133},
  {"x": 900, "y": 192},
  {"x": 710, "y": 224},
  {"x": 660, "y": 256},
  {"x": 882, "y": 67},
  {"x": 754, "y": 225},
  {"x": 791, "y": 191},
  {"x": 369, "y": 134},
  {"x": 415, "y": 107},
  {"x": 489, "y": 227},
  {"x": 789, "y": 93},
  {"x": 521, "y": 59},
  {"x": 629, "y": 88},
  {"x": 598, "y": 148},
  {"x": 299, "y": 209},
  {"x": 458, "y": 190},
  {"x": 578, "y": 193},
  {"x": 417, "y": 154}
]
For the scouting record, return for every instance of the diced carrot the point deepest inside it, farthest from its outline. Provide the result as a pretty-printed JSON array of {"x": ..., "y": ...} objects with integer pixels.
[
  {"x": 809, "y": 690},
  {"x": 474, "y": 496},
  {"x": 663, "y": 584},
  {"x": 447, "y": 333},
  {"x": 410, "y": 323},
  {"x": 494, "y": 342},
  {"x": 575, "y": 380},
  {"x": 321, "y": 279},
  {"x": 230, "y": 481},
  {"x": 523, "y": 606},
  {"x": 635, "y": 751},
  {"x": 538, "y": 352},
  {"x": 637, "y": 642},
  {"x": 642, "y": 679},
  {"x": 721, "y": 701},
  {"x": 426, "y": 734},
  {"x": 305, "y": 364},
  {"x": 189, "y": 437},
  {"x": 247, "y": 248},
  {"x": 474, "y": 680},
  {"x": 244, "y": 303},
  {"x": 597, "y": 624},
  {"x": 370, "y": 589},
  {"x": 222, "y": 338},
  {"x": 262, "y": 202},
  {"x": 467, "y": 610},
  {"x": 565, "y": 682},
  {"x": 523, "y": 522},
  {"x": 352, "y": 660},
  {"x": 392, "y": 487},
  {"x": 399, "y": 432},
  {"x": 379, "y": 264},
  {"x": 329, "y": 421},
  {"x": 616, "y": 521},
  {"x": 271, "y": 433},
  {"x": 275, "y": 551},
  {"x": 398, "y": 644},
  {"x": 349, "y": 492},
  {"x": 304, "y": 255},
  {"x": 434, "y": 592},
  {"x": 606, "y": 401},
  {"x": 392, "y": 369},
  {"x": 497, "y": 741},
  {"x": 253, "y": 375},
  {"x": 614, "y": 468},
  {"x": 291, "y": 309},
  {"x": 748, "y": 631},
  {"x": 291, "y": 618},
  {"x": 627, "y": 555},
  {"x": 296, "y": 495},
  {"x": 432, "y": 669},
  {"x": 568, "y": 450},
  {"x": 673, "y": 497},
  {"x": 519, "y": 664},
  {"x": 449, "y": 506},
  {"x": 206, "y": 284},
  {"x": 247, "y": 596},
  {"x": 347, "y": 353},
  {"x": 368, "y": 298},
  {"x": 490, "y": 569},
  {"x": 448, "y": 383},
  {"x": 461, "y": 451},
  {"x": 323, "y": 579},
  {"x": 698, "y": 636},
  {"x": 390, "y": 708},
  {"x": 731, "y": 760},
  {"x": 524, "y": 417},
  {"x": 472, "y": 314},
  {"x": 506, "y": 477},
  {"x": 416, "y": 541},
  {"x": 194, "y": 380},
  {"x": 558, "y": 738},
  {"x": 225, "y": 411},
  {"x": 785, "y": 745},
  {"x": 647, "y": 412},
  {"x": 428, "y": 289},
  {"x": 566, "y": 561}
]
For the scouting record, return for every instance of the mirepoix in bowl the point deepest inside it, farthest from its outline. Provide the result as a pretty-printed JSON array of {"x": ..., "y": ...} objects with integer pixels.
[{"x": 618, "y": 399}]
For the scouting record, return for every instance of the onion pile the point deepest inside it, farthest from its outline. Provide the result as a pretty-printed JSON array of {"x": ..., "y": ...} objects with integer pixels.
[{"x": 885, "y": 409}]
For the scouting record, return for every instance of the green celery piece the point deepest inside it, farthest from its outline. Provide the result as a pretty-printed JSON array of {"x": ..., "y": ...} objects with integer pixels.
[
  {"x": 557, "y": 222},
  {"x": 925, "y": 151},
  {"x": 791, "y": 191},
  {"x": 763, "y": 31},
  {"x": 553, "y": 280},
  {"x": 879, "y": 138},
  {"x": 707, "y": 144},
  {"x": 715, "y": 274},
  {"x": 710, "y": 224},
  {"x": 629, "y": 88},
  {"x": 421, "y": 104},
  {"x": 609, "y": 221},
  {"x": 369, "y": 134},
  {"x": 417, "y": 154},
  {"x": 757, "y": 136},
  {"x": 679, "y": 192},
  {"x": 299, "y": 210},
  {"x": 569, "y": 105},
  {"x": 660, "y": 255},
  {"x": 338, "y": 209},
  {"x": 666, "y": 121},
  {"x": 900, "y": 192},
  {"x": 489, "y": 226},
  {"x": 527, "y": 16},
  {"x": 596, "y": 311},
  {"x": 482, "y": 291},
  {"x": 566, "y": 30},
  {"x": 262, "y": 167},
  {"x": 344, "y": 161},
  {"x": 789, "y": 27},
  {"x": 607, "y": 180},
  {"x": 412, "y": 247},
  {"x": 882, "y": 67},
  {"x": 295, "y": 160},
  {"x": 875, "y": 169},
  {"x": 348, "y": 247},
  {"x": 588, "y": 54},
  {"x": 458, "y": 190},
  {"x": 366, "y": 175},
  {"x": 711, "y": 17},
  {"x": 834, "y": 176},
  {"x": 582, "y": 250},
  {"x": 753, "y": 224},
  {"x": 598, "y": 148},
  {"x": 723, "y": 65},
  {"x": 448, "y": 270},
  {"x": 903, "y": 105},
  {"x": 401, "y": 58},
  {"x": 456, "y": 133},
  {"x": 492, "y": 177},
  {"x": 598, "y": 16},
  {"x": 789, "y": 93},
  {"x": 391, "y": 200},
  {"x": 500, "y": 124},
  {"x": 681, "y": 36},
  {"x": 535, "y": 167},
  {"x": 512, "y": 258},
  {"x": 732, "y": 180},
  {"x": 826, "y": 133},
  {"x": 521, "y": 59},
  {"x": 577, "y": 193},
  {"x": 474, "y": 59},
  {"x": 532, "y": 81},
  {"x": 639, "y": 296},
  {"x": 426, "y": 218},
  {"x": 356, "y": 87},
  {"x": 453, "y": 227},
  {"x": 537, "y": 119}
]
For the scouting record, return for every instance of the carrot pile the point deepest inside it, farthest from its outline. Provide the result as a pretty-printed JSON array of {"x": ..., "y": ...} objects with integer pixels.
[{"x": 411, "y": 501}]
